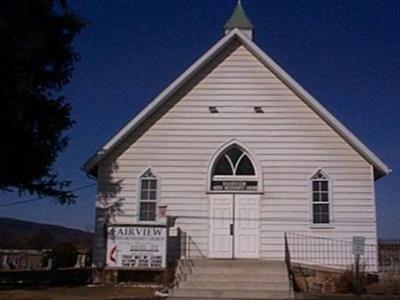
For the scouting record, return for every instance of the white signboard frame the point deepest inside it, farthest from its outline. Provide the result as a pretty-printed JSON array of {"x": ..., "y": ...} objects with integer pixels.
[
  {"x": 136, "y": 247},
  {"x": 358, "y": 245}
]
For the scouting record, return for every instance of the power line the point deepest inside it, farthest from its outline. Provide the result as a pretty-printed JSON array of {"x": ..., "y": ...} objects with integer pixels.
[
  {"x": 267, "y": 220},
  {"x": 41, "y": 198}
]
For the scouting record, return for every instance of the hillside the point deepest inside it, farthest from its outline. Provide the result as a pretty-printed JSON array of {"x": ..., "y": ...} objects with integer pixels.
[{"x": 20, "y": 234}]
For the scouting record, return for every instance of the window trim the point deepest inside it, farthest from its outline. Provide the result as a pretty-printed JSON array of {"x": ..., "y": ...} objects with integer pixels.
[
  {"x": 139, "y": 196},
  {"x": 330, "y": 224},
  {"x": 258, "y": 177}
]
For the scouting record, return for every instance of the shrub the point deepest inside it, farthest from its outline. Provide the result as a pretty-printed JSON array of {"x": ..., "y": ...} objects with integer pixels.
[
  {"x": 348, "y": 282},
  {"x": 386, "y": 286},
  {"x": 65, "y": 255}
]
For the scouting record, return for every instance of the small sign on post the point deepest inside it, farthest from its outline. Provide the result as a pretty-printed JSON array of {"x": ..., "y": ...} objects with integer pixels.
[
  {"x": 358, "y": 245},
  {"x": 358, "y": 250}
]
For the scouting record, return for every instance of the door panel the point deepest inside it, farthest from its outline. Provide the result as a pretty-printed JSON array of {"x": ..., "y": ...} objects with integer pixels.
[
  {"x": 221, "y": 215},
  {"x": 243, "y": 212},
  {"x": 246, "y": 238}
]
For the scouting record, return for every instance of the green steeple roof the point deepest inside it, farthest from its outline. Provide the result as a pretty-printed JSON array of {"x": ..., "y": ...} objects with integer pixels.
[{"x": 239, "y": 19}]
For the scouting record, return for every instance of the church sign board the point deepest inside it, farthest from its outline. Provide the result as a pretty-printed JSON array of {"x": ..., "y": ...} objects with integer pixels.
[
  {"x": 136, "y": 247},
  {"x": 234, "y": 186}
]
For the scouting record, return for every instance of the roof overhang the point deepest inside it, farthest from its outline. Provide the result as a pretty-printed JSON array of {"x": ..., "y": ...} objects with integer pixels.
[{"x": 380, "y": 168}]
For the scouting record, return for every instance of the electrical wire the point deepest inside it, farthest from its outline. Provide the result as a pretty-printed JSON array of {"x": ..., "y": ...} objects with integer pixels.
[{"x": 41, "y": 198}]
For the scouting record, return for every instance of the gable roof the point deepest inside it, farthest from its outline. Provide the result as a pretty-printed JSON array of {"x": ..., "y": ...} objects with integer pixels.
[{"x": 380, "y": 168}]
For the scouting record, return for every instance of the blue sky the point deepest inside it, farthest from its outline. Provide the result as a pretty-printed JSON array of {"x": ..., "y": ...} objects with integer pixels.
[{"x": 345, "y": 53}]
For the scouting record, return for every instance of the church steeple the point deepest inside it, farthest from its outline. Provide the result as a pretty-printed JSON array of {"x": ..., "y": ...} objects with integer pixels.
[{"x": 239, "y": 20}]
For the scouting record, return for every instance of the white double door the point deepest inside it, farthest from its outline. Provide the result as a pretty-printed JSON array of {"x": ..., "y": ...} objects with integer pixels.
[{"x": 234, "y": 226}]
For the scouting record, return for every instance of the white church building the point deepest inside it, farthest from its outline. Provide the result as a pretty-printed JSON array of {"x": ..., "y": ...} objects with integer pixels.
[{"x": 240, "y": 154}]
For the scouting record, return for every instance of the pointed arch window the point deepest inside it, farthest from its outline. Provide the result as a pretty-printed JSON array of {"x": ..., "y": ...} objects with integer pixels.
[
  {"x": 233, "y": 170},
  {"x": 148, "y": 196},
  {"x": 321, "y": 201},
  {"x": 234, "y": 162}
]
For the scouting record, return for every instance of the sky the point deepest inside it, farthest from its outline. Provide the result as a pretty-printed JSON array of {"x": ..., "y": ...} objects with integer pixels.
[{"x": 345, "y": 53}]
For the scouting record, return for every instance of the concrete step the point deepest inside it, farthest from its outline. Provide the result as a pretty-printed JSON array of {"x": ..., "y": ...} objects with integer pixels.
[
  {"x": 239, "y": 270},
  {"x": 233, "y": 279},
  {"x": 204, "y": 298},
  {"x": 233, "y": 294},
  {"x": 243, "y": 263},
  {"x": 238, "y": 285},
  {"x": 237, "y": 277}
]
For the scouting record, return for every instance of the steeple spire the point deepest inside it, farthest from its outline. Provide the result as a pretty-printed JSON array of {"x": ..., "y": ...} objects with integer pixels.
[{"x": 239, "y": 20}]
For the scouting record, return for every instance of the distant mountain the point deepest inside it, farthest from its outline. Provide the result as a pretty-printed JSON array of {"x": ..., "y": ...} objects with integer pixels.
[{"x": 18, "y": 234}]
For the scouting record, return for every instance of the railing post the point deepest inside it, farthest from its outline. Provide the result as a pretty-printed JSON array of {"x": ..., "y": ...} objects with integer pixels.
[
  {"x": 180, "y": 237},
  {"x": 183, "y": 243},
  {"x": 189, "y": 242},
  {"x": 288, "y": 264},
  {"x": 287, "y": 252}
]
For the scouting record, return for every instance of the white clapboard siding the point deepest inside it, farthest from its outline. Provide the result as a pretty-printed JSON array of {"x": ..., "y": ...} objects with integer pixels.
[{"x": 289, "y": 142}]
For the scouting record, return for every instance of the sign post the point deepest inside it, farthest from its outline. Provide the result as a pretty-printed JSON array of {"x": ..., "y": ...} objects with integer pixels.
[{"x": 358, "y": 249}]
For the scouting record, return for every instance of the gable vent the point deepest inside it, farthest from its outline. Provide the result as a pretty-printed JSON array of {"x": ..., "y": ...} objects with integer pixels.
[
  {"x": 258, "y": 109},
  {"x": 213, "y": 109}
]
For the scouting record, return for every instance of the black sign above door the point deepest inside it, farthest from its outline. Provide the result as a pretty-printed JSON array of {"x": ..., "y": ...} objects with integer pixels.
[{"x": 234, "y": 185}]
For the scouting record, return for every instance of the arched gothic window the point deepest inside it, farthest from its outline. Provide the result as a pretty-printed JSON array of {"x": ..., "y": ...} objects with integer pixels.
[
  {"x": 320, "y": 198},
  {"x": 148, "y": 196},
  {"x": 233, "y": 170},
  {"x": 234, "y": 163}
]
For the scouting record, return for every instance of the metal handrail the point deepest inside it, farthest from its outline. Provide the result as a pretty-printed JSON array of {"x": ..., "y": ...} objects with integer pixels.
[
  {"x": 288, "y": 264},
  {"x": 328, "y": 252},
  {"x": 189, "y": 250}
]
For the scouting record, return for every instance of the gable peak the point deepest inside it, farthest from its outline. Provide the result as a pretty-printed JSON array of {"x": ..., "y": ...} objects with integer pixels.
[{"x": 239, "y": 20}]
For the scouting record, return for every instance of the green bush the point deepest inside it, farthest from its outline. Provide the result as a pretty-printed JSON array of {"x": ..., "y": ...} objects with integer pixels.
[
  {"x": 65, "y": 255},
  {"x": 348, "y": 282},
  {"x": 386, "y": 286}
]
